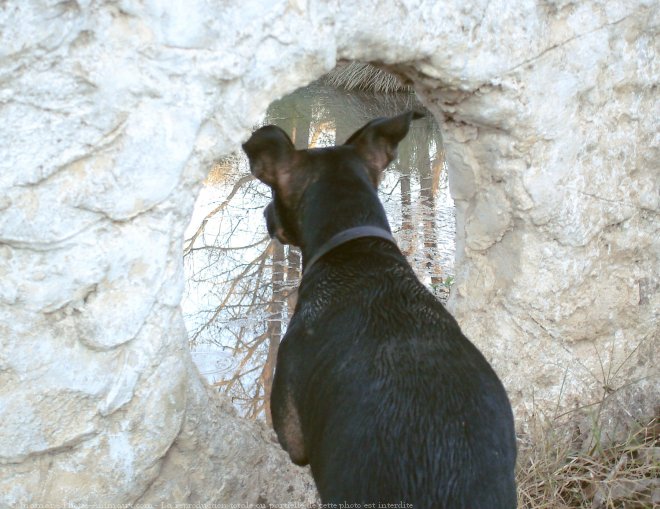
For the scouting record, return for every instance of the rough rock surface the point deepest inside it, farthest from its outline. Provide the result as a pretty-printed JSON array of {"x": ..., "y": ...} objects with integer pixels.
[{"x": 112, "y": 112}]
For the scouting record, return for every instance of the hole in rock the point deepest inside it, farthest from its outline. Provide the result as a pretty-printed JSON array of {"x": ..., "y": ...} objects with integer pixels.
[{"x": 240, "y": 284}]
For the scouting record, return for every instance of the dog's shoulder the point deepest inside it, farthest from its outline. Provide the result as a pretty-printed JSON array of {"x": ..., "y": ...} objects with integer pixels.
[{"x": 359, "y": 280}]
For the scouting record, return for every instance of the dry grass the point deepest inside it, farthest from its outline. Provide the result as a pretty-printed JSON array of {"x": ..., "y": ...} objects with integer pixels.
[
  {"x": 556, "y": 470},
  {"x": 361, "y": 76}
]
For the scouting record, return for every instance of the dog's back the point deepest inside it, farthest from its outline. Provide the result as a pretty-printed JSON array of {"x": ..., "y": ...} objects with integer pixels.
[
  {"x": 399, "y": 405},
  {"x": 375, "y": 385}
]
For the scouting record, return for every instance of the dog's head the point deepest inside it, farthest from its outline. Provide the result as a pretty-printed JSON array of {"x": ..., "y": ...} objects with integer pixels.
[{"x": 289, "y": 172}]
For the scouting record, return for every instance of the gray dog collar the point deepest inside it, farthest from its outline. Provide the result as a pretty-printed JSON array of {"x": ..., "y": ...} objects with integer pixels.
[{"x": 347, "y": 235}]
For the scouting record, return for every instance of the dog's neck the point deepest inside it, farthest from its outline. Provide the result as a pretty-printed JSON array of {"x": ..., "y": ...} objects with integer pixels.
[
  {"x": 345, "y": 236},
  {"x": 338, "y": 212}
]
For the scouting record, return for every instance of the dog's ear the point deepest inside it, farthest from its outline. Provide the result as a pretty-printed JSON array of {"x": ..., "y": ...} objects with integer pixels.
[
  {"x": 271, "y": 155},
  {"x": 377, "y": 141}
]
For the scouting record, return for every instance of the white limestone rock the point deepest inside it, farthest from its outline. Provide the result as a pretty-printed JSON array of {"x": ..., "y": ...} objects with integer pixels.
[{"x": 112, "y": 113}]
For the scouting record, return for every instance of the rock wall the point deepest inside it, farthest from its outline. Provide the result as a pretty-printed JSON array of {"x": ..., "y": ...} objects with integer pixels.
[
  {"x": 112, "y": 112},
  {"x": 554, "y": 154}
]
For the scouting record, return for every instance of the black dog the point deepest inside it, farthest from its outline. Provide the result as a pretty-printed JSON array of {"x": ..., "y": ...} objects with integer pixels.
[{"x": 375, "y": 386}]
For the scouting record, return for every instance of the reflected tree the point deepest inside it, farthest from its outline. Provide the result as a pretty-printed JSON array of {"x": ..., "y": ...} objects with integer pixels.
[{"x": 241, "y": 284}]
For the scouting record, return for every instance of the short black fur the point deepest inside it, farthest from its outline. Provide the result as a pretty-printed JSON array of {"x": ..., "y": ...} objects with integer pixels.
[{"x": 375, "y": 386}]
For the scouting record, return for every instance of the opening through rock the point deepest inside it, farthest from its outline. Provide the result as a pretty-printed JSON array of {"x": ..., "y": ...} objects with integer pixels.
[{"x": 241, "y": 285}]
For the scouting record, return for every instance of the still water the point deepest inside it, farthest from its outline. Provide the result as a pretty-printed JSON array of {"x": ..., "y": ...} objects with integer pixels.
[{"x": 240, "y": 285}]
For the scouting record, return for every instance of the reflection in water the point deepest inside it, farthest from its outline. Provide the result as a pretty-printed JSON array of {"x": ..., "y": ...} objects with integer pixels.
[{"x": 241, "y": 284}]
